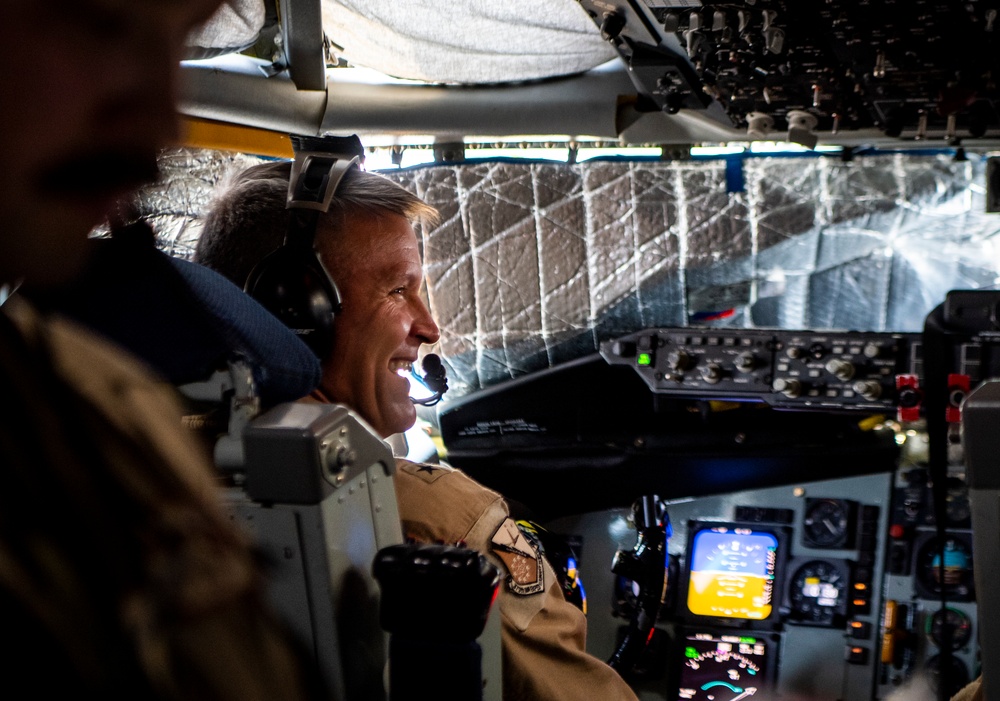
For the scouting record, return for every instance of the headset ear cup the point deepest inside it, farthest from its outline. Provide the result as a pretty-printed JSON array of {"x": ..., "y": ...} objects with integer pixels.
[{"x": 291, "y": 284}]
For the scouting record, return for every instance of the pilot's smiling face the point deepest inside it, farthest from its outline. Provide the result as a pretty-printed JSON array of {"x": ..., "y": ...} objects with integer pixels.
[
  {"x": 384, "y": 321},
  {"x": 87, "y": 103}
]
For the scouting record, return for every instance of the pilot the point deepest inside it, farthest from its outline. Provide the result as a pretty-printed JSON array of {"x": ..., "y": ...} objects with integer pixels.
[
  {"x": 973, "y": 691},
  {"x": 120, "y": 576},
  {"x": 367, "y": 243}
]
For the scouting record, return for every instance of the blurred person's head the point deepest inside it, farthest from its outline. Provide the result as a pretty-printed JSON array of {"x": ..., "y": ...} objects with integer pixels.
[
  {"x": 88, "y": 103},
  {"x": 367, "y": 244}
]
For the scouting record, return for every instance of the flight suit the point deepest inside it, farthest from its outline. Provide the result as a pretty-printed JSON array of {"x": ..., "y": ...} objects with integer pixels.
[
  {"x": 543, "y": 635},
  {"x": 973, "y": 691},
  {"x": 120, "y": 574}
]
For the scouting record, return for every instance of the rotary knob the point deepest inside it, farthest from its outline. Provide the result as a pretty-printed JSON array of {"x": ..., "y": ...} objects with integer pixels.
[
  {"x": 869, "y": 389},
  {"x": 840, "y": 368},
  {"x": 791, "y": 388},
  {"x": 745, "y": 362},
  {"x": 711, "y": 373}
]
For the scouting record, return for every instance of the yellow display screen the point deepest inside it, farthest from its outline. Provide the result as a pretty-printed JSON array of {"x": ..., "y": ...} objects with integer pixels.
[{"x": 732, "y": 573}]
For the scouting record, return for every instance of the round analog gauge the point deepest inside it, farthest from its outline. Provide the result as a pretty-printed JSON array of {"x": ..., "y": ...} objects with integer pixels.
[
  {"x": 826, "y": 523},
  {"x": 959, "y": 623},
  {"x": 953, "y": 573},
  {"x": 958, "y": 674},
  {"x": 718, "y": 675},
  {"x": 817, "y": 592}
]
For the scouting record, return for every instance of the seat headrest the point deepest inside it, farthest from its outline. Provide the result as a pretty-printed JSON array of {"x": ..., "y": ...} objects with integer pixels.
[{"x": 182, "y": 318}]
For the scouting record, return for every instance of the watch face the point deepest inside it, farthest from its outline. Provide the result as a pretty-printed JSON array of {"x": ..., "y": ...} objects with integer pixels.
[
  {"x": 817, "y": 592},
  {"x": 826, "y": 523}
]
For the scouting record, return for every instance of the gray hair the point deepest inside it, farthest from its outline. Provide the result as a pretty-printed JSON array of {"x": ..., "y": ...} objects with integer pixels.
[{"x": 248, "y": 220}]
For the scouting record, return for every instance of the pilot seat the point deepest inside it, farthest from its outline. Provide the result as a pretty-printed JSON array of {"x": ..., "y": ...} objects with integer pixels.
[{"x": 311, "y": 483}]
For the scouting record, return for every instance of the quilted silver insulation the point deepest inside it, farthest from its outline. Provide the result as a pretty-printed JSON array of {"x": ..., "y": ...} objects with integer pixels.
[{"x": 536, "y": 263}]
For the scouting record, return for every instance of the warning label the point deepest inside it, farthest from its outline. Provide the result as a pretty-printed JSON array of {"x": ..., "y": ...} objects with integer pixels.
[{"x": 499, "y": 427}]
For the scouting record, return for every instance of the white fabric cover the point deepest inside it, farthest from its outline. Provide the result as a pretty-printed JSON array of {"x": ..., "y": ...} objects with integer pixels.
[
  {"x": 234, "y": 26},
  {"x": 466, "y": 41}
]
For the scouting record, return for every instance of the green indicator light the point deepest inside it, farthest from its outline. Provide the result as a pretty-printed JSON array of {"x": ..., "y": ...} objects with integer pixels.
[
  {"x": 690, "y": 652},
  {"x": 752, "y": 641},
  {"x": 644, "y": 359}
]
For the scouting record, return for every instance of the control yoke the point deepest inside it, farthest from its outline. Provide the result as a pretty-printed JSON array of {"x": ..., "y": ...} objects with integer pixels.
[{"x": 646, "y": 566}]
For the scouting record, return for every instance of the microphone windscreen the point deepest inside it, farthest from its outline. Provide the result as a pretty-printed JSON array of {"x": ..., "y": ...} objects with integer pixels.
[{"x": 431, "y": 363}]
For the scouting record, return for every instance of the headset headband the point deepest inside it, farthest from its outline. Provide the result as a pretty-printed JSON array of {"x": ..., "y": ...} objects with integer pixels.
[
  {"x": 292, "y": 282},
  {"x": 314, "y": 179},
  {"x": 320, "y": 164}
]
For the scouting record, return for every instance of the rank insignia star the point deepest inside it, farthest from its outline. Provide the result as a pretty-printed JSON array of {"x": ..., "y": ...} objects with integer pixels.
[{"x": 427, "y": 473}]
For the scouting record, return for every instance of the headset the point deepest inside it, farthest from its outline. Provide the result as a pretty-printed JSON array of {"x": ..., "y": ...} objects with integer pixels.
[{"x": 292, "y": 282}]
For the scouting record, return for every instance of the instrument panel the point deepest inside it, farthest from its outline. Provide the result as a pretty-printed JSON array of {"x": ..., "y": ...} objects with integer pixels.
[
  {"x": 796, "y": 369},
  {"x": 770, "y": 569},
  {"x": 753, "y": 606},
  {"x": 757, "y": 607}
]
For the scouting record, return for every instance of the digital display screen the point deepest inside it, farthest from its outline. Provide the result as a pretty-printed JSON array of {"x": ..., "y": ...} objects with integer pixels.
[
  {"x": 732, "y": 572},
  {"x": 719, "y": 667}
]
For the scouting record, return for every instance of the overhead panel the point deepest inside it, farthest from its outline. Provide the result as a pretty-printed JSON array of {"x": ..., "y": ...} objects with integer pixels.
[
  {"x": 912, "y": 70},
  {"x": 656, "y": 61}
]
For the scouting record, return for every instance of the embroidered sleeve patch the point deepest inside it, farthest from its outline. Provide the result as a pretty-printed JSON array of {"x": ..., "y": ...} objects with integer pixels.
[{"x": 521, "y": 556}]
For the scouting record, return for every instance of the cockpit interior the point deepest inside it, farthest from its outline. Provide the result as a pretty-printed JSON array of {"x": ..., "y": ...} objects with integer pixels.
[{"x": 717, "y": 291}]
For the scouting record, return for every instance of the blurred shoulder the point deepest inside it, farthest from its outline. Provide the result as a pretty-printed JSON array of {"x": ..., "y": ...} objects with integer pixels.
[
  {"x": 971, "y": 692},
  {"x": 137, "y": 401}
]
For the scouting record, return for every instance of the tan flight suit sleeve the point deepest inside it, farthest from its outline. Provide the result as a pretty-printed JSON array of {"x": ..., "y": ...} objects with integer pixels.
[
  {"x": 971, "y": 692},
  {"x": 543, "y": 635}
]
